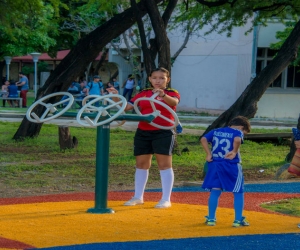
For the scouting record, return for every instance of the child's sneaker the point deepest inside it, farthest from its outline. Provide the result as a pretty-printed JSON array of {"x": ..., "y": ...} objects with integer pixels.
[
  {"x": 239, "y": 223},
  {"x": 163, "y": 204},
  {"x": 210, "y": 222},
  {"x": 133, "y": 201}
]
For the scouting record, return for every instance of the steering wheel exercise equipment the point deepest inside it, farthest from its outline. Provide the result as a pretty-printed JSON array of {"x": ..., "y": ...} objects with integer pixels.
[
  {"x": 93, "y": 115},
  {"x": 152, "y": 100},
  {"x": 50, "y": 107},
  {"x": 102, "y": 110}
]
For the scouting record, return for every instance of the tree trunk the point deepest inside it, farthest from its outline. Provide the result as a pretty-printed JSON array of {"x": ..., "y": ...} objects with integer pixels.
[
  {"x": 65, "y": 139},
  {"x": 160, "y": 44},
  {"x": 246, "y": 104},
  {"x": 159, "y": 24},
  {"x": 114, "y": 75},
  {"x": 74, "y": 64},
  {"x": 101, "y": 61},
  {"x": 2, "y": 64}
]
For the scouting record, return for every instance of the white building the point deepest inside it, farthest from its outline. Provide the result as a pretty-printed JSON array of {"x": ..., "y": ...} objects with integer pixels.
[{"x": 211, "y": 73}]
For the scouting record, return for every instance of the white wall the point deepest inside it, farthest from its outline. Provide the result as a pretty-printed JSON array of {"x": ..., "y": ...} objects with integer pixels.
[
  {"x": 277, "y": 105},
  {"x": 267, "y": 35},
  {"x": 211, "y": 74},
  {"x": 123, "y": 67}
]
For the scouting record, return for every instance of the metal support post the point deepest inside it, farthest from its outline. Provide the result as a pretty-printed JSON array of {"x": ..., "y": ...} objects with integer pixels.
[{"x": 102, "y": 163}]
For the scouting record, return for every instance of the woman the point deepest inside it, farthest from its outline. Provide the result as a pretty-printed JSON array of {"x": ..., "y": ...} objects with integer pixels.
[
  {"x": 150, "y": 140},
  {"x": 128, "y": 86}
]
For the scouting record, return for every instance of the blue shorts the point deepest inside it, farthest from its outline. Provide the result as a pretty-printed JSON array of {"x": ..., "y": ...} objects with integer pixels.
[{"x": 225, "y": 175}]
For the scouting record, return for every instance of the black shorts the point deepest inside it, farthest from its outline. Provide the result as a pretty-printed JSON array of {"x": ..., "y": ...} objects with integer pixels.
[{"x": 154, "y": 142}]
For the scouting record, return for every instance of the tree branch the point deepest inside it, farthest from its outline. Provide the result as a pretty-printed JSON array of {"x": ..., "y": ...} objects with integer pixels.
[{"x": 189, "y": 31}]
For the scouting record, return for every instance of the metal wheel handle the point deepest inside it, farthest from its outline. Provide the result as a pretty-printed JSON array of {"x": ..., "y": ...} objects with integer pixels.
[
  {"x": 88, "y": 106},
  {"x": 152, "y": 100},
  {"x": 94, "y": 109},
  {"x": 50, "y": 107}
]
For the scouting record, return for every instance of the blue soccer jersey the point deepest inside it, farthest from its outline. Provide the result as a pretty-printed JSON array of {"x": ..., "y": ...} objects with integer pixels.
[
  {"x": 224, "y": 173},
  {"x": 222, "y": 142}
]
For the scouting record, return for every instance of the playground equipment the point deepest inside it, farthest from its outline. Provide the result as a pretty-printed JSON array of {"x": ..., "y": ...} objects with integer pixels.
[
  {"x": 50, "y": 107},
  {"x": 95, "y": 112}
]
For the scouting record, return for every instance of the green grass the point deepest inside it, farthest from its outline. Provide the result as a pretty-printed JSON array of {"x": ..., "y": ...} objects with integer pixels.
[
  {"x": 39, "y": 161},
  {"x": 289, "y": 206},
  {"x": 39, "y": 164}
]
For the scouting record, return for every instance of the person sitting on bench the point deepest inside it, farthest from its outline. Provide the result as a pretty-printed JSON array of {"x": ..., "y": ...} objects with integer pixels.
[
  {"x": 4, "y": 90},
  {"x": 73, "y": 90},
  {"x": 13, "y": 93}
]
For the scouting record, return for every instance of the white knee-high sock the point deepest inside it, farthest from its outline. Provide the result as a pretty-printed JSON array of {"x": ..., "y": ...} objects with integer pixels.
[
  {"x": 141, "y": 178},
  {"x": 167, "y": 180}
]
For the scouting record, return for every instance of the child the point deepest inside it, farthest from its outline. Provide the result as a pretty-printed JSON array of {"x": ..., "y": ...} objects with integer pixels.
[
  {"x": 116, "y": 84},
  {"x": 4, "y": 90},
  {"x": 108, "y": 86},
  {"x": 149, "y": 140},
  {"x": 297, "y": 144},
  {"x": 224, "y": 169}
]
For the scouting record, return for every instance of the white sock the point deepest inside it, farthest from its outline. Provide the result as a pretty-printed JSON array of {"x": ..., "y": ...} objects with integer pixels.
[
  {"x": 167, "y": 180},
  {"x": 141, "y": 178}
]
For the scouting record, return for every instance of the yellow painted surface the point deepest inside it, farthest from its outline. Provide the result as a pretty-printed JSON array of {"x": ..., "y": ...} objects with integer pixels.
[{"x": 68, "y": 223}]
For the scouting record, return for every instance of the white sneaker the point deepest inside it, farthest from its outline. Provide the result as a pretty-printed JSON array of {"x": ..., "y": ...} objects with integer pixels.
[
  {"x": 163, "y": 204},
  {"x": 133, "y": 201}
]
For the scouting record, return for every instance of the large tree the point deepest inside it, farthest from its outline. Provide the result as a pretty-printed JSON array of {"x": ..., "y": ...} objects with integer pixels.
[
  {"x": 74, "y": 64},
  {"x": 222, "y": 15},
  {"x": 246, "y": 104}
]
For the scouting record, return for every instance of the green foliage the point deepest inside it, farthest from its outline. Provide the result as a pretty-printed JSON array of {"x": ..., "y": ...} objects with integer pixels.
[
  {"x": 41, "y": 66},
  {"x": 35, "y": 25},
  {"x": 28, "y": 70},
  {"x": 223, "y": 16},
  {"x": 283, "y": 35},
  {"x": 30, "y": 32}
]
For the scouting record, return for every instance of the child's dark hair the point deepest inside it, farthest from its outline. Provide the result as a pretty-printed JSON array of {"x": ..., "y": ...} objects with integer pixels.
[
  {"x": 162, "y": 70},
  {"x": 241, "y": 121}
]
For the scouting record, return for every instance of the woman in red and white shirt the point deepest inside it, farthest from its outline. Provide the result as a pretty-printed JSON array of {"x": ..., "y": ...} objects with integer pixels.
[{"x": 149, "y": 140}]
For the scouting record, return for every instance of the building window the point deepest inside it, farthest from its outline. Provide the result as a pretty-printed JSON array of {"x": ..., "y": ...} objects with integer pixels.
[
  {"x": 293, "y": 77},
  {"x": 289, "y": 78}
]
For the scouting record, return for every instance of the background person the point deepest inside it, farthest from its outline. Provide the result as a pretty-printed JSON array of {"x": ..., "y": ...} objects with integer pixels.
[
  {"x": 72, "y": 90},
  {"x": 297, "y": 144},
  {"x": 108, "y": 86},
  {"x": 13, "y": 93},
  {"x": 116, "y": 84},
  {"x": 83, "y": 91},
  {"x": 95, "y": 87},
  {"x": 149, "y": 140},
  {"x": 224, "y": 170},
  {"x": 4, "y": 89},
  {"x": 128, "y": 86},
  {"x": 23, "y": 83}
]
